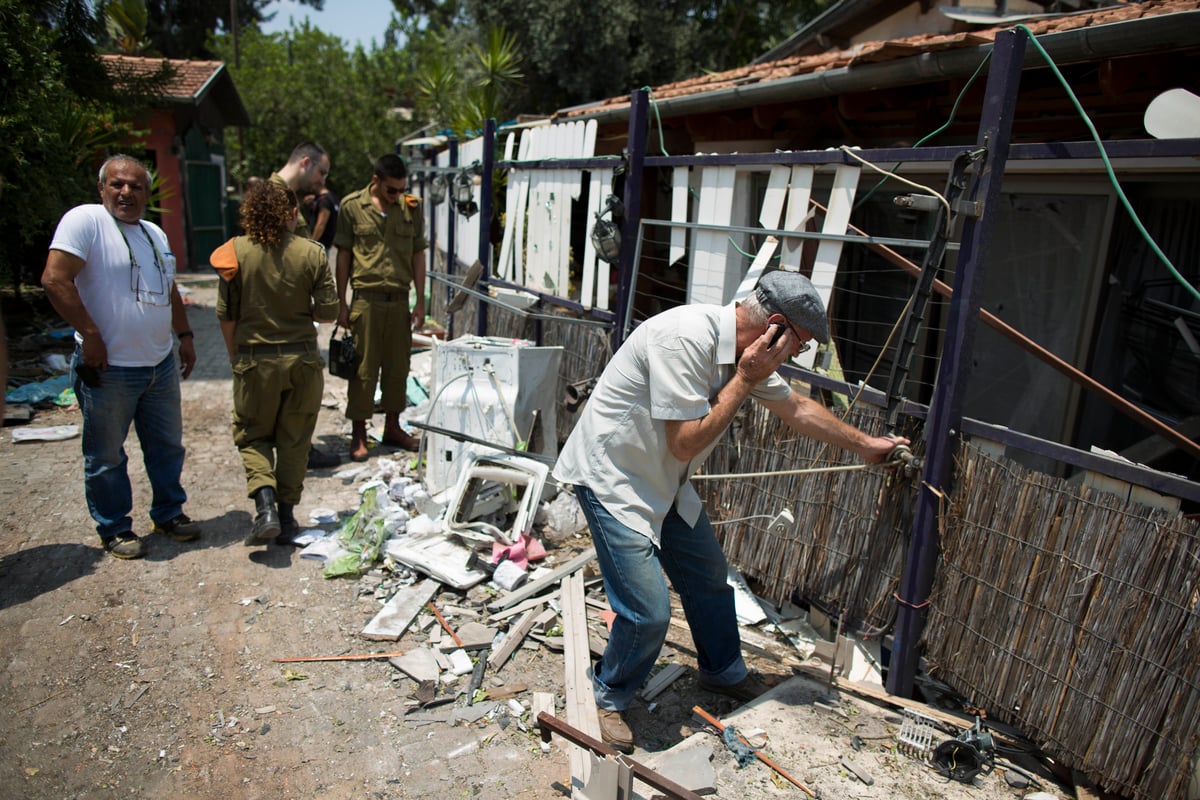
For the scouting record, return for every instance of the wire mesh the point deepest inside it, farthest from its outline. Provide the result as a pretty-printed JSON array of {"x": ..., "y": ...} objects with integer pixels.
[{"x": 917, "y": 735}]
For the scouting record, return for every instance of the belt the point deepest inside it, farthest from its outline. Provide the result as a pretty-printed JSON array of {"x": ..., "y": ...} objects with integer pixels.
[
  {"x": 276, "y": 349},
  {"x": 380, "y": 296}
]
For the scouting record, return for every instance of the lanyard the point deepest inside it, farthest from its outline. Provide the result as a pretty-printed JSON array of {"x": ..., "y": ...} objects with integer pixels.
[{"x": 135, "y": 269}]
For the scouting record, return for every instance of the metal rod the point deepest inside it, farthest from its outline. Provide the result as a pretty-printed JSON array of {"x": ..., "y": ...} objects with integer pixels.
[
  {"x": 1125, "y": 407},
  {"x": 445, "y": 625},
  {"x": 465, "y": 437},
  {"x": 850, "y": 238},
  {"x": 548, "y": 723},
  {"x": 352, "y": 657},
  {"x": 485, "y": 222},
  {"x": 720, "y": 726}
]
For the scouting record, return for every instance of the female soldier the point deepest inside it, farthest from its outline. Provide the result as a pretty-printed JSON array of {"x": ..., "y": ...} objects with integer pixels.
[{"x": 274, "y": 286}]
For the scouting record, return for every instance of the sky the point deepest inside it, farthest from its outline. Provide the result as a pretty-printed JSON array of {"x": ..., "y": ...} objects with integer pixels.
[{"x": 355, "y": 21}]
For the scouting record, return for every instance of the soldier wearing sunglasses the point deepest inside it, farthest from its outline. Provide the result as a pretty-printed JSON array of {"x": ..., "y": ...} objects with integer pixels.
[{"x": 381, "y": 245}]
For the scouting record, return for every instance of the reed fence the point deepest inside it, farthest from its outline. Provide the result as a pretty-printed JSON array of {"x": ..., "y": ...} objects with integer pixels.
[{"x": 1072, "y": 614}]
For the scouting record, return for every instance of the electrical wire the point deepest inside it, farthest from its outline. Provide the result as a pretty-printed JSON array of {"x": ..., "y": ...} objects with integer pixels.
[
  {"x": 888, "y": 173},
  {"x": 774, "y": 473},
  {"x": 662, "y": 145},
  {"x": 953, "y": 113},
  {"x": 1108, "y": 165}
]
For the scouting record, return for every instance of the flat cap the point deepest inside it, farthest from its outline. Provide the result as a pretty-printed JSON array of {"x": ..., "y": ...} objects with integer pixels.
[{"x": 793, "y": 295}]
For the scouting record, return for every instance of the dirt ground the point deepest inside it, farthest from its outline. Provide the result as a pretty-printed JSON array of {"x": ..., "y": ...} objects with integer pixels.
[{"x": 154, "y": 678}]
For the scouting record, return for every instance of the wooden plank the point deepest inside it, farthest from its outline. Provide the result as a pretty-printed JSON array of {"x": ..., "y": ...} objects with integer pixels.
[
  {"x": 799, "y": 194},
  {"x": 765, "y": 253},
  {"x": 541, "y": 584},
  {"x": 774, "y": 197},
  {"x": 837, "y": 216},
  {"x": 524, "y": 605},
  {"x": 535, "y": 212},
  {"x": 399, "y": 612},
  {"x": 504, "y": 262},
  {"x": 877, "y": 693},
  {"x": 581, "y": 703},
  {"x": 603, "y": 268},
  {"x": 512, "y": 640},
  {"x": 709, "y": 275},
  {"x": 679, "y": 209},
  {"x": 542, "y": 701}
]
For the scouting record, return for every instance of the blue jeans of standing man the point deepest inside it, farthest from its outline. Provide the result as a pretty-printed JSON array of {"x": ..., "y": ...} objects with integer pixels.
[
  {"x": 632, "y": 568},
  {"x": 149, "y": 398}
]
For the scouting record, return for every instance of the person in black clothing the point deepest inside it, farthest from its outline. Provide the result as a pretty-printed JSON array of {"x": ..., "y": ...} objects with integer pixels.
[{"x": 324, "y": 211}]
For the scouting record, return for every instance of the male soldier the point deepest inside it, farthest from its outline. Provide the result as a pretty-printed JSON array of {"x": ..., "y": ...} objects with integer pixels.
[
  {"x": 381, "y": 245},
  {"x": 303, "y": 174}
]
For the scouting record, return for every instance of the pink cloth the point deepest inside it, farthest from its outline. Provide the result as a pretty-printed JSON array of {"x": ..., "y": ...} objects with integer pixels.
[{"x": 520, "y": 552}]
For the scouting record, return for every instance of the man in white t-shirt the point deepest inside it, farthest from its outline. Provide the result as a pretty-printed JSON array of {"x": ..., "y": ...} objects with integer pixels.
[{"x": 111, "y": 276}]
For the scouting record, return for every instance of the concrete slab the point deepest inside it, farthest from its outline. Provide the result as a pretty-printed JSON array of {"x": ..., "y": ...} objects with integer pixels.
[
  {"x": 419, "y": 664},
  {"x": 688, "y": 763}
]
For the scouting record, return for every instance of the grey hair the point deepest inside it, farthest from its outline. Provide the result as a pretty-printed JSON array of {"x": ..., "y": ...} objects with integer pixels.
[
  {"x": 759, "y": 314},
  {"x": 127, "y": 159}
]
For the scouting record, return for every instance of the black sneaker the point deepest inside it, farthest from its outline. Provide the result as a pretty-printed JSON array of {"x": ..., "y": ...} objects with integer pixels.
[
  {"x": 124, "y": 545},
  {"x": 181, "y": 529}
]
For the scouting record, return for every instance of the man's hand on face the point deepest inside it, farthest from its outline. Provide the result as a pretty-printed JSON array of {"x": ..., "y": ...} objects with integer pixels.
[{"x": 766, "y": 353}]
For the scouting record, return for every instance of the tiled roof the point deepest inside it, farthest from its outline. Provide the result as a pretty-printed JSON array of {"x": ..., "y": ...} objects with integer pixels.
[
  {"x": 188, "y": 82},
  {"x": 873, "y": 52}
]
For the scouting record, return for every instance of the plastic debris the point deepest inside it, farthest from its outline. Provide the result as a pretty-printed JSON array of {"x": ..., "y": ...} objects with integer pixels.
[{"x": 54, "y": 433}]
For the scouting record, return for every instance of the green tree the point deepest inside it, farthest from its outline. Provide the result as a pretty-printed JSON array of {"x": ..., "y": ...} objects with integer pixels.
[
  {"x": 125, "y": 22},
  {"x": 59, "y": 116},
  {"x": 578, "y": 52},
  {"x": 305, "y": 85},
  {"x": 464, "y": 91},
  {"x": 180, "y": 28}
]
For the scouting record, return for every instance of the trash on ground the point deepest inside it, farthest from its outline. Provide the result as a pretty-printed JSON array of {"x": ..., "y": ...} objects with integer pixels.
[{"x": 54, "y": 433}]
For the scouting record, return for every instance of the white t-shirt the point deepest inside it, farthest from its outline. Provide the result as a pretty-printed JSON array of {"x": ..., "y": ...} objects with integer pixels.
[
  {"x": 670, "y": 368},
  {"x": 131, "y": 307}
]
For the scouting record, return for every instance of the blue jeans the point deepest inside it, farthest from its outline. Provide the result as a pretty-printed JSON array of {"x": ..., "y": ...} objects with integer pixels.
[
  {"x": 149, "y": 398},
  {"x": 632, "y": 568}
]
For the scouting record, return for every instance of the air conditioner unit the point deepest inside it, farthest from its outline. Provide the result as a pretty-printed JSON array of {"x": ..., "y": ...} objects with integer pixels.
[{"x": 501, "y": 391}]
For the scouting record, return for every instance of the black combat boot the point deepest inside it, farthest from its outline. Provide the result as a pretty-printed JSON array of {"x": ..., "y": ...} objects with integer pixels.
[
  {"x": 289, "y": 528},
  {"x": 266, "y": 518}
]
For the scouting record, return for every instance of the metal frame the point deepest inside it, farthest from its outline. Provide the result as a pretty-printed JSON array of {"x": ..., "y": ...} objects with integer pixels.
[{"x": 944, "y": 420}]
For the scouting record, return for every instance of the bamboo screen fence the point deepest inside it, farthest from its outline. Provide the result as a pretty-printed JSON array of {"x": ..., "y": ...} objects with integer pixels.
[
  {"x": 846, "y": 548},
  {"x": 1073, "y": 614}
]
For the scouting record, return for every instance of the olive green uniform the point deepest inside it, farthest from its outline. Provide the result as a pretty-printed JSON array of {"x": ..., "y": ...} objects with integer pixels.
[
  {"x": 278, "y": 374},
  {"x": 381, "y": 273},
  {"x": 302, "y": 228}
]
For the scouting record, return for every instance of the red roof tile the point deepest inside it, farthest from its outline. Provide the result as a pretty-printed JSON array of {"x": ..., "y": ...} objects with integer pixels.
[
  {"x": 188, "y": 82},
  {"x": 873, "y": 52}
]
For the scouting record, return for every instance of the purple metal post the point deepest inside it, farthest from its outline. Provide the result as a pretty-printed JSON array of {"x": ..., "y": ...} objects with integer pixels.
[
  {"x": 634, "y": 158},
  {"x": 485, "y": 221},
  {"x": 945, "y": 410},
  {"x": 451, "y": 254}
]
